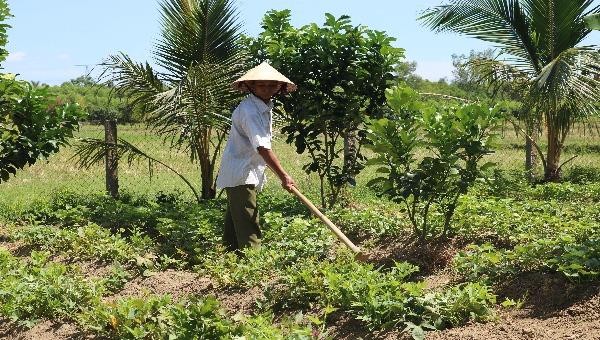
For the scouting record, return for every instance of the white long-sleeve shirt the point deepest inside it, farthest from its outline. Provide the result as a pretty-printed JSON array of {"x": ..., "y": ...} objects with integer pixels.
[{"x": 251, "y": 127}]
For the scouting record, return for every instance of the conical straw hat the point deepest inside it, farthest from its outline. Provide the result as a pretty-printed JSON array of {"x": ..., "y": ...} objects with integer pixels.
[{"x": 263, "y": 71}]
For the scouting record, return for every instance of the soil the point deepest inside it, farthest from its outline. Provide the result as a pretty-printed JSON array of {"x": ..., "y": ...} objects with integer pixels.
[
  {"x": 429, "y": 257},
  {"x": 16, "y": 248},
  {"x": 553, "y": 308},
  {"x": 47, "y": 330},
  {"x": 239, "y": 301},
  {"x": 178, "y": 284}
]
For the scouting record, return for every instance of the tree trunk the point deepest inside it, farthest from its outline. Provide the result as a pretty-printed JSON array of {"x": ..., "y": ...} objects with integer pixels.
[
  {"x": 530, "y": 157},
  {"x": 111, "y": 160},
  {"x": 552, "y": 171},
  {"x": 350, "y": 150},
  {"x": 208, "y": 190},
  {"x": 206, "y": 166}
]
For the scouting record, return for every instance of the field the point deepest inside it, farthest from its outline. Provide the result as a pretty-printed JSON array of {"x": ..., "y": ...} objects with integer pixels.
[
  {"x": 61, "y": 173},
  {"x": 523, "y": 261}
]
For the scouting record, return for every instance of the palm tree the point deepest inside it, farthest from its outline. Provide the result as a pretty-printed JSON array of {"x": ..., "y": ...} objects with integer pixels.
[
  {"x": 593, "y": 21},
  {"x": 542, "y": 39},
  {"x": 189, "y": 101}
]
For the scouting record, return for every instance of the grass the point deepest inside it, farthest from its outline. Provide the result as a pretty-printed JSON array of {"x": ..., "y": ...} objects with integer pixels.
[{"x": 59, "y": 172}]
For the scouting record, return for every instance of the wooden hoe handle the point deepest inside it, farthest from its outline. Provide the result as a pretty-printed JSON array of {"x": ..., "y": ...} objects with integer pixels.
[{"x": 326, "y": 220}]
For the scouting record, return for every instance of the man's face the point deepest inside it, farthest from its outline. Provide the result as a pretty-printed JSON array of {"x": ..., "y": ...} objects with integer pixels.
[{"x": 264, "y": 89}]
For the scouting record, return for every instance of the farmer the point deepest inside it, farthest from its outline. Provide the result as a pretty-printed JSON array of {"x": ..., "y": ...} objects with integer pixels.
[{"x": 248, "y": 153}]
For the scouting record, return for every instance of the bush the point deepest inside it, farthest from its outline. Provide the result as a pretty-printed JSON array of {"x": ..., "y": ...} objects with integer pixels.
[
  {"x": 453, "y": 141},
  {"x": 33, "y": 125},
  {"x": 582, "y": 175}
]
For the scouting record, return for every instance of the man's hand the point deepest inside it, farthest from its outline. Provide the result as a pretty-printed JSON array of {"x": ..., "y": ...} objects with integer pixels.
[{"x": 287, "y": 182}]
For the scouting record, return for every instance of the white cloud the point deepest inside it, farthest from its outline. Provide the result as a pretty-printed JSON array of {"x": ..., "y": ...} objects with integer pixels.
[{"x": 16, "y": 56}]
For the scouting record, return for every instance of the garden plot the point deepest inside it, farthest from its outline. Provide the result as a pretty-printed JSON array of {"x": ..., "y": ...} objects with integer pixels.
[{"x": 156, "y": 264}]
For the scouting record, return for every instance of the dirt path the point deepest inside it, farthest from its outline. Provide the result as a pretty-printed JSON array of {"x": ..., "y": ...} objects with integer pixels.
[
  {"x": 46, "y": 330},
  {"x": 178, "y": 284}
]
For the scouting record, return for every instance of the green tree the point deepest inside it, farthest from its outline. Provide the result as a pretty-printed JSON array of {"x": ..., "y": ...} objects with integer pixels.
[
  {"x": 405, "y": 73},
  {"x": 466, "y": 76},
  {"x": 342, "y": 72},
  {"x": 100, "y": 101},
  {"x": 33, "y": 124},
  {"x": 4, "y": 14},
  {"x": 542, "y": 38},
  {"x": 455, "y": 139},
  {"x": 189, "y": 101}
]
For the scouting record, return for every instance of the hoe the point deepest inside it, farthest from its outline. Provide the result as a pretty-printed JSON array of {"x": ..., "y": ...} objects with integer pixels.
[{"x": 358, "y": 254}]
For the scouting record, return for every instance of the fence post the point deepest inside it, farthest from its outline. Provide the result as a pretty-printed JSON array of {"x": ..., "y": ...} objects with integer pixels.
[{"x": 111, "y": 161}]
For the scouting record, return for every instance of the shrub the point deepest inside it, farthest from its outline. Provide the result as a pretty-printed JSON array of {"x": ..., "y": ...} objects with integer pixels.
[{"x": 454, "y": 142}]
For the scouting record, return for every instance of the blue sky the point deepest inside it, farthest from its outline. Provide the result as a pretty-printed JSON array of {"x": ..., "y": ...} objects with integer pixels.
[{"x": 48, "y": 39}]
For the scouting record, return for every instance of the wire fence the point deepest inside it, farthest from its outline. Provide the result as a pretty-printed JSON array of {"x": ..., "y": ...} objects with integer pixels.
[{"x": 60, "y": 171}]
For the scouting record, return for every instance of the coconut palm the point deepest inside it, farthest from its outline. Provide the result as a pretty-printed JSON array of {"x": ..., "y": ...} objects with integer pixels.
[
  {"x": 542, "y": 42},
  {"x": 189, "y": 101},
  {"x": 593, "y": 21}
]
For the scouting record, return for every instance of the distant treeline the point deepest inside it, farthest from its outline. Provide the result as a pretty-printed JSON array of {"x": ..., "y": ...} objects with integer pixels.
[{"x": 102, "y": 101}]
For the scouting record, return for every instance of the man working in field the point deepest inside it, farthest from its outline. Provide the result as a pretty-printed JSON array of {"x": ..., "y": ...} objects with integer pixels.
[{"x": 248, "y": 153}]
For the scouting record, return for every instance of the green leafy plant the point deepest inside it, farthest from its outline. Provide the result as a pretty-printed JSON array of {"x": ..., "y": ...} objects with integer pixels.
[
  {"x": 33, "y": 124},
  {"x": 159, "y": 318},
  {"x": 576, "y": 258},
  {"x": 4, "y": 14},
  {"x": 264, "y": 326},
  {"x": 382, "y": 298},
  {"x": 453, "y": 142},
  {"x": 286, "y": 242},
  {"x": 90, "y": 242},
  {"x": 39, "y": 289},
  {"x": 344, "y": 71}
]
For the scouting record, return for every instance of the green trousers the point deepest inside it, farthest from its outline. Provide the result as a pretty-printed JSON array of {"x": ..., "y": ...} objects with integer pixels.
[{"x": 241, "y": 219}]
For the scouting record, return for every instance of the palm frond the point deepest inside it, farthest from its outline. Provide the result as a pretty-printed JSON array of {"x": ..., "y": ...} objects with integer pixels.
[
  {"x": 558, "y": 25},
  {"x": 138, "y": 81},
  {"x": 90, "y": 152},
  {"x": 194, "y": 32},
  {"x": 502, "y": 22},
  {"x": 498, "y": 72},
  {"x": 203, "y": 99},
  {"x": 568, "y": 88}
]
